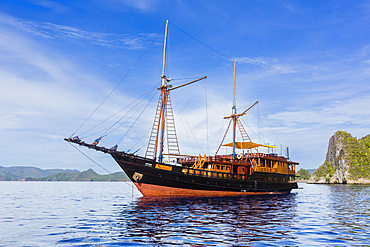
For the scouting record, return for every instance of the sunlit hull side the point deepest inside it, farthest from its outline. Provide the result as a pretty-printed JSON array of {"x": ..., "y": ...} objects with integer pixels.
[{"x": 155, "y": 179}]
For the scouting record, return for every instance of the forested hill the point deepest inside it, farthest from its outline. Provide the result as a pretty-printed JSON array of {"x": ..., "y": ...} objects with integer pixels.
[
  {"x": 25, "y": 173},
  {"x": 347, "y": 160}
]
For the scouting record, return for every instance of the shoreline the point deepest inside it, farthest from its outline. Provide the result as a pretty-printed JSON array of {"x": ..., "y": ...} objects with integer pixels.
[{"x": 350, "y": 181}]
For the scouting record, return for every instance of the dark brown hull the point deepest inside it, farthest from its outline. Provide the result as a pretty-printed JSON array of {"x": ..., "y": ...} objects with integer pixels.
[{"x": 160, "y": 179}]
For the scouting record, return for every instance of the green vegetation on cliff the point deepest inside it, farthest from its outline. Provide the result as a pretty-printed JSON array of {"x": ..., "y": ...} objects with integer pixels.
[
  {"x": 325, "y": 170},
  {"x": 355, "y": 154},
  {"x": 365, "y": 141},
  {"x": 359, "y": 155},
  {"x": 303, "y": 174}
]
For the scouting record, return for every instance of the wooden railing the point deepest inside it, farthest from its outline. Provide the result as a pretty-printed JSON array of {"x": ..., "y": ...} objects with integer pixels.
[
  {"x": 228, "y": 158},
  {"x": 213, "y": 174},
  {"x": 274, "y": 170}
]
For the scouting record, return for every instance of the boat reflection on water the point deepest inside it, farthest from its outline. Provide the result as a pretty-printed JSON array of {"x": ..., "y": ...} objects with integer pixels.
[{"x": 208, "y": 220}]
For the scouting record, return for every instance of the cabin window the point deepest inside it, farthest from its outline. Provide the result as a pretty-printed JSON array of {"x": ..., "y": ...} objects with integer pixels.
[{"x": 218, "y": 167}]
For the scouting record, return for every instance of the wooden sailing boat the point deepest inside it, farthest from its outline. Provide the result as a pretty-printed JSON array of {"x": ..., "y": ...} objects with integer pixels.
[{"x": 250, "y": 173}]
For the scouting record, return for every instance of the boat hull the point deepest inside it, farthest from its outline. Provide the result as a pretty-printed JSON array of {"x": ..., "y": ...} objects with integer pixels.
[
  {"x": 158, "y": 190},
  {"x": 160, "y": 179}
]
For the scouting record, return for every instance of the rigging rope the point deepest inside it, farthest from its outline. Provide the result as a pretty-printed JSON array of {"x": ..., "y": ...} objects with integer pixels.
[
  {"x": 195, "y": 90},
  {"x": 190, "y": 129},
  {"x": 224, "y": 136},
  {"x": 128, "y": 114},
  {"x": 124, "y": 77},
  {"x": 134, "y": 109},
  {"x": 120, "y": 140},
  {"x": 205, "y": 85},
  {"x": 270, "y": 126},
  {"x": 143, "y": 96},
  {"x": 97, "y": 163},
  {"x": 145, "y": 134},
  {"x": 188, "y": 78},
  {"x": 201, "y": 42},
  {"x": 91, "y": 159}
]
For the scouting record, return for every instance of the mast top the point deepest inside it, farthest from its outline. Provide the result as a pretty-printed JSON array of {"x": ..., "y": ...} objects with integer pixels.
[
  {"x": 234, "y": 105},
  {"x": 164, "y": 79}
]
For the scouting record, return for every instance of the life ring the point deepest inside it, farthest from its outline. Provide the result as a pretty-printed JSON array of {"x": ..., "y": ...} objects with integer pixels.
[{"x": 239, "y": 156}]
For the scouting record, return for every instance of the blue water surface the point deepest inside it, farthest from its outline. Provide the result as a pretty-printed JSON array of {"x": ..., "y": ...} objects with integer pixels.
[{"x": 115, "y": 214}]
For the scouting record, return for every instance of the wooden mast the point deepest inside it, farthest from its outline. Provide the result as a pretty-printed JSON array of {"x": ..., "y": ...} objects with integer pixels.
[
  {"x": 234, "y": 114},
  {"x": 164, "y": 51},
  {"x": 161, "y": 123},
  {"x": 164, "y": 93}
]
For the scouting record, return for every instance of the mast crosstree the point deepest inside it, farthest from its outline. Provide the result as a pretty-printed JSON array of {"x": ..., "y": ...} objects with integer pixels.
[
  {"x": 236, "y": 123},
  {"x": 164, "y": 121}
]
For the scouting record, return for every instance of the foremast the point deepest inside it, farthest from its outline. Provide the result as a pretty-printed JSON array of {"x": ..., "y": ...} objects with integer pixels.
[
  {"x": 164, "y": 119},
  {"x": 159, "y": 124}
]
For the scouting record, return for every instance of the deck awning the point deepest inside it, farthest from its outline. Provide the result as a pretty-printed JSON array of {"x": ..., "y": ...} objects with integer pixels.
[{"x": 247, "y": 145}]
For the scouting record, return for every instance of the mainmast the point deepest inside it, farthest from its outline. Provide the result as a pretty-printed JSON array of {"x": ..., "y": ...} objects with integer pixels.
[{"x": 234, "y": 119}]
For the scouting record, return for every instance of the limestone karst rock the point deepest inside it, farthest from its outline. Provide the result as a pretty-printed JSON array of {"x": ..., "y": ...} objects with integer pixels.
[{"x": 347, "y": 160}]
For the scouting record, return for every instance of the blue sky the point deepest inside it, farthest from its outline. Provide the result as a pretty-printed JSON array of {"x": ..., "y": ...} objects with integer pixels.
[{"x": 306, "y": 62}]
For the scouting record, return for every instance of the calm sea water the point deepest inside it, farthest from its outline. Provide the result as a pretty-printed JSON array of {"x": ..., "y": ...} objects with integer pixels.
[{"x": 114, "y": 214}]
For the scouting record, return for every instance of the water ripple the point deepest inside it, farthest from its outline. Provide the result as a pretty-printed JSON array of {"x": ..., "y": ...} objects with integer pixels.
[{"x": 111, "y": 214}]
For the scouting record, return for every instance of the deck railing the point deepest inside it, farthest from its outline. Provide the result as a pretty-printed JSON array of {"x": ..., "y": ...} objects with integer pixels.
[
  {"x": 275, "y": 170},
  {"x": 227, "y": 158},
  {"x": 214, "y": 174}
]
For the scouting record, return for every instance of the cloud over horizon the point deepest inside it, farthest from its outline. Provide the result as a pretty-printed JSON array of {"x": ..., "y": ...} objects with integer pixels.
[{"x": 56, "y": 68}]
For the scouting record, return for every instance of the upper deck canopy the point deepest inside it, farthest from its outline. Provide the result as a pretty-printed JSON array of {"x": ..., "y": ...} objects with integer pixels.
[{"x": 246, "y": 145}]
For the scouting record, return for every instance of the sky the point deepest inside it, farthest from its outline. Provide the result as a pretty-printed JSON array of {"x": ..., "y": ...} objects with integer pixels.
[{"x": 89, "y": 68}]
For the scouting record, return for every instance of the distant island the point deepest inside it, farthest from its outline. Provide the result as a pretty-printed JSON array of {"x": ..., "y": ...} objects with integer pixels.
[
  {"x": 347, "y": 162},
  {"x": 28, "y": 173}
]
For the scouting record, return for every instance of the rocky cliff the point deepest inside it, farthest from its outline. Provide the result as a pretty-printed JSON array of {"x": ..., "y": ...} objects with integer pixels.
[{"x": 347, "y": 160}]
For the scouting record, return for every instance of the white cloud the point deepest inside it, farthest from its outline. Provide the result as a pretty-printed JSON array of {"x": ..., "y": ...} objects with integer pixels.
[
  {"x": 353, "y": 111},
  {"x": 50, "y": 5},
  {"x": 55, "y": 31},
  {"x": 139, "y": 5},
  {"x": 44, "y": 96},
  {"x": 271, "y": 64}
]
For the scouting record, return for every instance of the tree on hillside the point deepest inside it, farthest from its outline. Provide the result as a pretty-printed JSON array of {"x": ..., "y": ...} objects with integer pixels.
[{"x": 304, "y": 174}]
